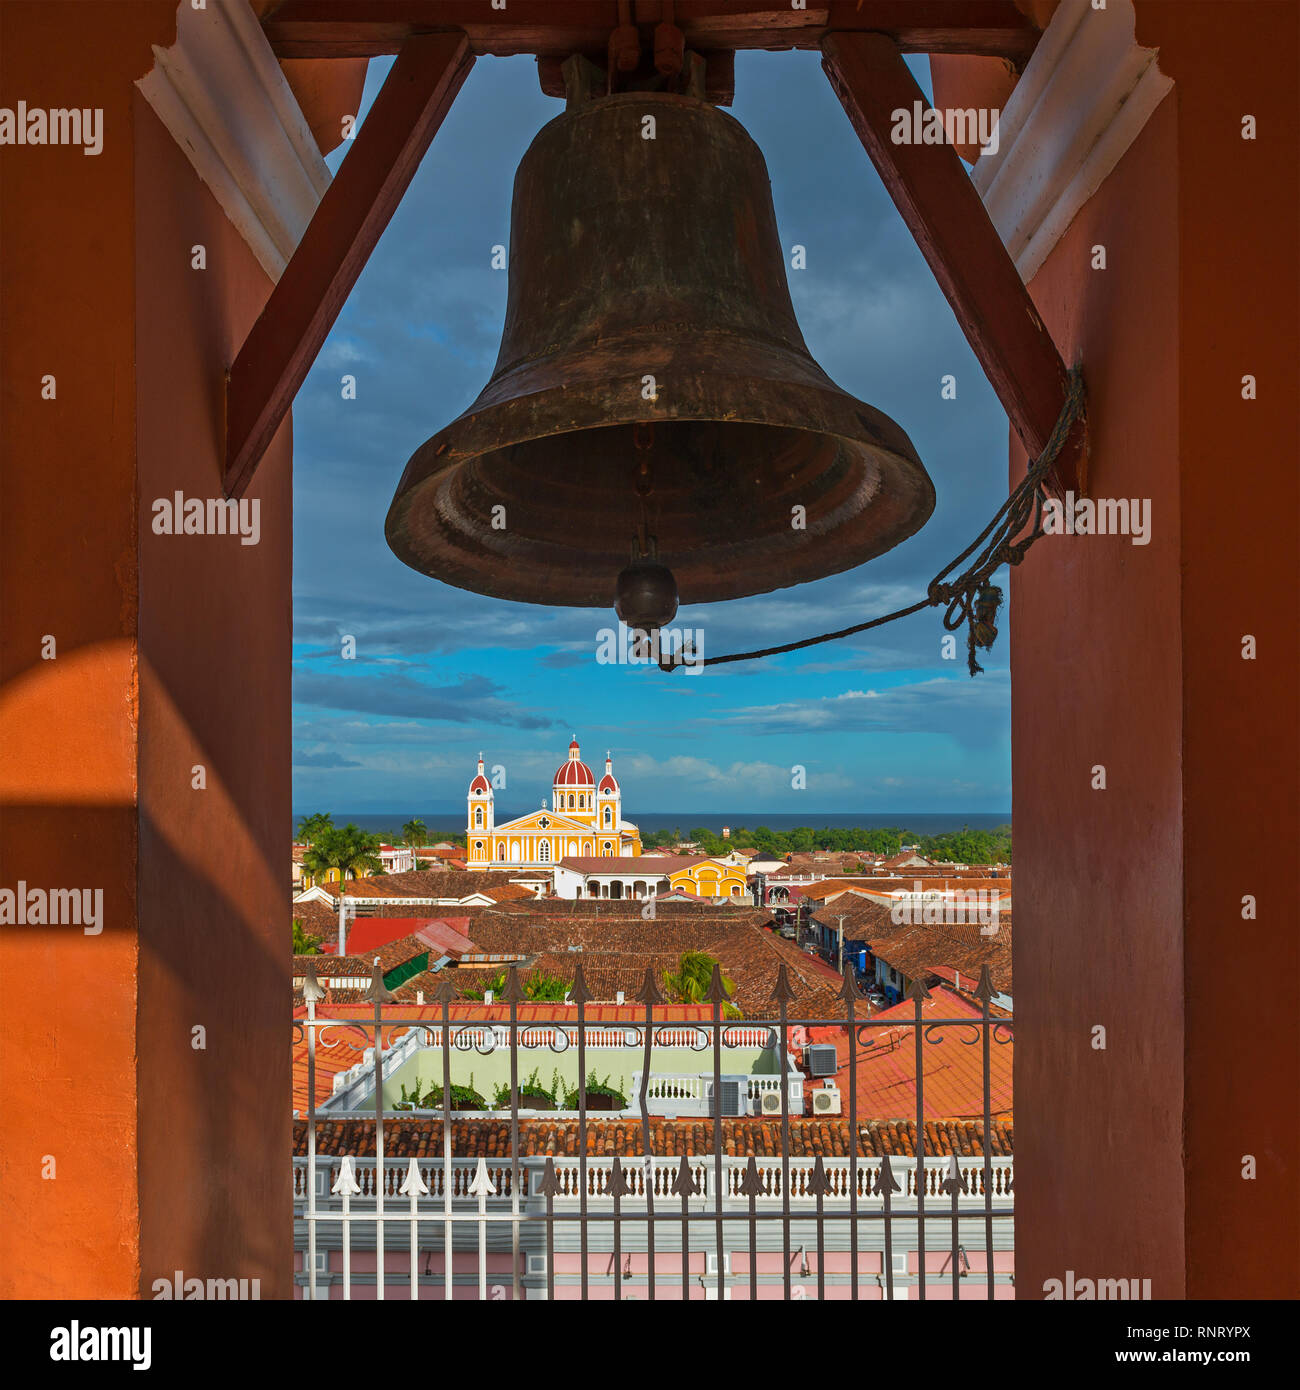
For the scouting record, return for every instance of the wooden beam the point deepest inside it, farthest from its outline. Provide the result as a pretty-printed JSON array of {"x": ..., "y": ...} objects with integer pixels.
[
  {"x": 357, "y": 206},
  {"x": 932, "y": 190},
  {"x": 556, "y": 28}
]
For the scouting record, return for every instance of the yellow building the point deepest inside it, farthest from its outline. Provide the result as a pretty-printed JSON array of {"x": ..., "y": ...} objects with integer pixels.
[
  {"x": 585, "y": 818},
  {"x": 709, "y": 878}
]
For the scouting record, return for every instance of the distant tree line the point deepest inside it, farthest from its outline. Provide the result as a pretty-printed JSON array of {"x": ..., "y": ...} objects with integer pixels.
[
  {"x": 964, "y": 846},
  {"x": 355, "y": 851}
]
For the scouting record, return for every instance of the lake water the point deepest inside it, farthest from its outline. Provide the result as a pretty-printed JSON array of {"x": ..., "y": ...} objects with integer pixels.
[{"x": 921, "y": 822}]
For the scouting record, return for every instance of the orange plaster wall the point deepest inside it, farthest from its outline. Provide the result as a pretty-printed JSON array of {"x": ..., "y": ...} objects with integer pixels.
[
  {"x": 1096, "y": 669},
  {"x": 1129, "y": 1161},
  {"x": 171, "y": 651},
  {"x": 216, "y": 625},
  {"x": 1240, "y": 463},
  {"x": 68, "y": 567}
]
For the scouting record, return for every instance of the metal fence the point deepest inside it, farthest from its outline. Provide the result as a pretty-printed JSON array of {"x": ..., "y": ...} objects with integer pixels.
[{"x": 667, "y": 1207}]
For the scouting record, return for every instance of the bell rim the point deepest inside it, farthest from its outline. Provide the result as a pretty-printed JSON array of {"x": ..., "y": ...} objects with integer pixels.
[{"x": 431, "y": 467}]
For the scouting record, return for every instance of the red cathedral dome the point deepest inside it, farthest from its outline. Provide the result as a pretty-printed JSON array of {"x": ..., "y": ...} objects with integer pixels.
[
  {"x": 573, "y": 772},
  {"x": 479, "y": 786}
]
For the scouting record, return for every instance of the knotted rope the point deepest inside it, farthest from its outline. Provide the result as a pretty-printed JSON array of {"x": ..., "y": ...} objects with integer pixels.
[{"x": 971, "y": 598}]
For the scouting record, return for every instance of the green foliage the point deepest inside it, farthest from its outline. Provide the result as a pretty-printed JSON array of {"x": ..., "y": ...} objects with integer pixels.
[
  {"x": 303, "y": 945},
  {"x": 531, "y": 1090},
  {"x": 963, "y": 846},
  {"x": 347, "y": 848},
  {"x": 595, "y": 1087},
  {"x": 496, "y": 983},
  {"x": 462, "y": 1098},
  {"x": 690, "y": 983},
  {"x": 414, "y": 833},
  {"x": 311, "y": 826},
  {"x": 542, "y": 985}
]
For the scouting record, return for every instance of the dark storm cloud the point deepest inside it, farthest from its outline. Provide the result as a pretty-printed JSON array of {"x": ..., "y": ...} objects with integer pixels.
[
  {"x": 323, "y": 760},
  {"x": 972, "y": 711},
  {"x": 472, "y": 700}
]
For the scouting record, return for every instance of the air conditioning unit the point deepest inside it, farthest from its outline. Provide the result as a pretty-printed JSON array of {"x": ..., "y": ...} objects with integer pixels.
[
  {"x": 822, "y": 1059},
  {"x": 826, "y": 1101},
  {"x": 771, "y": 1102},
  {"x": 536, "y": 1265},
  {"x": 731, "y": 1097}
]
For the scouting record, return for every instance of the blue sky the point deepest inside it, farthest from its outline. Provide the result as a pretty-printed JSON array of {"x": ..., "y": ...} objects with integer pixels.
[{"x": 881, "y": 722}]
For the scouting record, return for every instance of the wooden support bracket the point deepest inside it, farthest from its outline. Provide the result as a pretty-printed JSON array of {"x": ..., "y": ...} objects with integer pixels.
[
  {"x": 357, "y": 206},
  {"x": 933, "y": 192}
]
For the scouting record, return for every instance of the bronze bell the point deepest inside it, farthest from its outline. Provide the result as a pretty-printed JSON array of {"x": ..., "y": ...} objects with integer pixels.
[{"x": 653, "y": 401}]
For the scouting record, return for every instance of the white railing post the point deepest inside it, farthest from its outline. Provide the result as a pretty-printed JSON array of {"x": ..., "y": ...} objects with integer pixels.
[
  {"x": 414, "y": 1187},
  {"x": 482, "y": 1188},
  {"x": 347, "y": 1186}
]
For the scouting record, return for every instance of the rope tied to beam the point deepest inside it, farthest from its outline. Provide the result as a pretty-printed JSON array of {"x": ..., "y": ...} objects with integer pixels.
[{"x": 971, "y": 598}]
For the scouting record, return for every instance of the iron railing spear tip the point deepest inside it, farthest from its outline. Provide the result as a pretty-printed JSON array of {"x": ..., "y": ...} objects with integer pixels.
[
  {"x": 782, "y": 993},
  {"x": 578, "y": 992},
  {"x": 650, "y": 991},
  {"x": 718, "y": 991}
]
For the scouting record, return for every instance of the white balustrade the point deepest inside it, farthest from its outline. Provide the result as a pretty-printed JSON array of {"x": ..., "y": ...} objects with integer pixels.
[{"x": 664, "y": 1173}]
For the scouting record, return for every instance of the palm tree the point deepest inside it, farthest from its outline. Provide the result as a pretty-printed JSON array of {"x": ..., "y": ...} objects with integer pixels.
[
  {"x": 545, "y": 986},
  {"x": 311, "y": 826},
  {"x": 496, "y": 983},
  {"x": 414, "y": 833},
  {"x": 349, "y": 850},
  {"x": 692, "y": 979},
  {"x": 303, "y": 945}
]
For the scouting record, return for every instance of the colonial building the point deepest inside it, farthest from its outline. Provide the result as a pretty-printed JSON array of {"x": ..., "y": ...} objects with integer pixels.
[{"x": 585, "y": 819}]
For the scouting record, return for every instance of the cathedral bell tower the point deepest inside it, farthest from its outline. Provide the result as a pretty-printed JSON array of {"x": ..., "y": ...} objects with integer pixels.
[{"x": 479, "y": 816}]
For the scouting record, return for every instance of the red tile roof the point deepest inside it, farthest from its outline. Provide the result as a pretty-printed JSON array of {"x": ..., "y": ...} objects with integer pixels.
[
  {"x": 510, "y": 892},
  {"x": 490, "y": 1137},
  {"x": 339, "y": 1047},
  {"x": 634, "y": 865},
  {"x": 368, "y": 934},
  {"x": 951, "y": 1061},
  {"x": 445, "y": 936}
]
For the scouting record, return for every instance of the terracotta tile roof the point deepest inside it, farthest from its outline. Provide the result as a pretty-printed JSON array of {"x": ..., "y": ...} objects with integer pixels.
[
  {"x": 511, "y": 892},
  {"x": 904, "y": 859},
  {"x": 391, "y": 954},
  {"x": 863, "y": 916},
  {"x": 635, "y": 865},
  {"x": 921, "y": 950},
  {"x": 319, "y": 920},
  {"x": 951, "y": 1071},
  {"x": 423, "y": 883},
  {"x": 830, "y": 887},
  {"x": 616, "y": 949},
  {"x": 823, "y": 861},
  {"x": 490, "y": 1137},
  {"x": 606, "y": 973}
]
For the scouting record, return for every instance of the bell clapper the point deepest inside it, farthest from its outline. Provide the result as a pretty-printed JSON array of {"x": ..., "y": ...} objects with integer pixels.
[{"x": 645, "y": 596}]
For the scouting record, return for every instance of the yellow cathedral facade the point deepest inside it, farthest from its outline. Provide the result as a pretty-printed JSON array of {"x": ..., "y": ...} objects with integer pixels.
[{"x": 585, "y": 818}]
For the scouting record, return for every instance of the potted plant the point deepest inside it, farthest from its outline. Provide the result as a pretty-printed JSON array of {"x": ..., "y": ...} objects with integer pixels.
[
  {"x": 532, "y": 1094},
  {"x": 600, "y": 1096},
  {"x": 462, "y": 1098}
]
